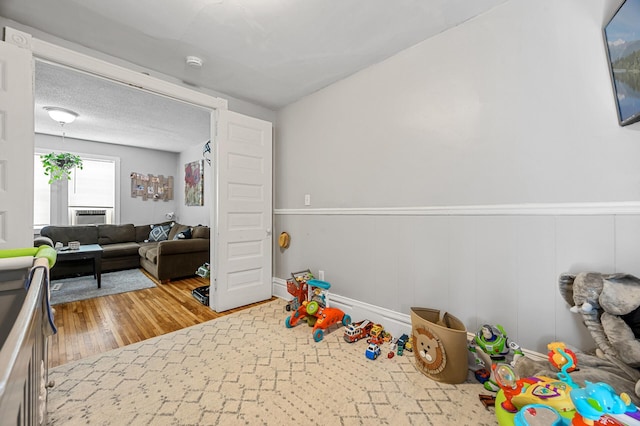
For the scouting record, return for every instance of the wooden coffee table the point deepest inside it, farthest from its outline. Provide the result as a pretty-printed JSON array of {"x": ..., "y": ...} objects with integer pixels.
[{"x": 91, "y": 252}]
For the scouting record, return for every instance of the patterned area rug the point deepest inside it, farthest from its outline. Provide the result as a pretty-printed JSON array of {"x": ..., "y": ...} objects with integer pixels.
[
  {"x": 248, "y": 368},
  {"x": 82, "y": 288}
]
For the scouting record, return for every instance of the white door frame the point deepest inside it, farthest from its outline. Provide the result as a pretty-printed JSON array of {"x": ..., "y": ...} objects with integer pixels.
[
  {"x": 16, "y": 147},
  {"x": 62, "y": 56},
  {"x": 81, "y": 62}
]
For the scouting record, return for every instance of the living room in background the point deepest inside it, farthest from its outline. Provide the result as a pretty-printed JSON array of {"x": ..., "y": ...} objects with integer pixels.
[
  {"x": 229, "y": 130},
  {"x": 89, "y": 196}
]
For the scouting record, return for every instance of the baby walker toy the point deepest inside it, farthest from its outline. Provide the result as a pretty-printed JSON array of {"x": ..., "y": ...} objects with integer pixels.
[
  {"x": 314, "y": 307},
  {"x": 297, "y": 287}
]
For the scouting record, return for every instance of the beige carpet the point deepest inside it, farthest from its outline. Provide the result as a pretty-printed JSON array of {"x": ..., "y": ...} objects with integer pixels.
[{"x": 248, "y": 368}]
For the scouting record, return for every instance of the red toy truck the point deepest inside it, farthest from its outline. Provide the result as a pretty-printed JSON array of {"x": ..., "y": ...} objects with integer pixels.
[{"x": 357, "y": 330}]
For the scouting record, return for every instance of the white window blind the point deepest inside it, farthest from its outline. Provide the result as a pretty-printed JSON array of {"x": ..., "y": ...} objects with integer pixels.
[{"x": 94, "y": 185}]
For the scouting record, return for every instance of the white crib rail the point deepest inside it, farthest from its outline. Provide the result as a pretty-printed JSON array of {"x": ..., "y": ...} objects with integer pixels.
[{"x": 23, "y": 351}]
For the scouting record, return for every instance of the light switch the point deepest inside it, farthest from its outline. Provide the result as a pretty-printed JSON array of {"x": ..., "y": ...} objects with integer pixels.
[{"x": 307, "y": 199}]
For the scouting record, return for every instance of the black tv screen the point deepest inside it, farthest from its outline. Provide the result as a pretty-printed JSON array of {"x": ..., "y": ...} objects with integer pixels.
[{"x": 622, "y": 36}]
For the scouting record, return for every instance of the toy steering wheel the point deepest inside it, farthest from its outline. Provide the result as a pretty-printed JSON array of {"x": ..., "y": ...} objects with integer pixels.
[{"x": 312, "y": 307}]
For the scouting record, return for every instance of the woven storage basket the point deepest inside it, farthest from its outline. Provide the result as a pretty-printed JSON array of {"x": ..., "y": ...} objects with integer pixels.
[{"x": 439, "y": 345}]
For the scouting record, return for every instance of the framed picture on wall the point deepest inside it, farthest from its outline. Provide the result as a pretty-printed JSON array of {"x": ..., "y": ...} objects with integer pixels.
[{"x": 194, "y": 183}]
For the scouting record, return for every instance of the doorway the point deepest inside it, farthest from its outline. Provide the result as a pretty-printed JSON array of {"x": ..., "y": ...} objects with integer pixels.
[
  {"x": 112, "y": 120},
  {"x": 241, "y": 210}
]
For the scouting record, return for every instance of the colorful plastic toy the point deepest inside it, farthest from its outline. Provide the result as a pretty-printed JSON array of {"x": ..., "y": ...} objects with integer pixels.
[
  {"x": 401, "y": 344},
  {"x": 358, "y": 330},
  {"x": 559, "y": 356},
  {"x": 542, "y": 400},
  {"x": 597, "y": 399},
  {"x": 321, "y": 317},
  {"x": 297, "y": 286},
  {"x": 531, "y": 390},
  {"x": 372, "y": 351},
  {"x": 539, "y": 414},
  {"x": 378, "y": 336},
  {"x": 492, "y": 340},
  {"x": 490, "y": 346},
  {"x": 482, "y": 375}
]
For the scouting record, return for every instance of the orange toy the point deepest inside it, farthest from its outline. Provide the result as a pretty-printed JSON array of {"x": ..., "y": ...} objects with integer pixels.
[
  {"x": 557, "y": 358},
  {"x": 324, "y": 316}
]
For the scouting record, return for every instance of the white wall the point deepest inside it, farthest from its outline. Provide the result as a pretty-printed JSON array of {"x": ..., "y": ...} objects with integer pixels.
[
  {"x": 404, "y": 160},
  {"x": 139, "y": 160},
  {"x": 194, "y": 215}
]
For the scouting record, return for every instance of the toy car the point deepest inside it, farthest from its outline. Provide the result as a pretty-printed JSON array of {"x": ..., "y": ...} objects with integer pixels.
[
  {"x": 204, "y": 271},
  {"x": 373, "y": 351},
  {"x": 378, "y": 335},
  {"x": 358, "y": 330},
  {"x": 402, "y": 343}
]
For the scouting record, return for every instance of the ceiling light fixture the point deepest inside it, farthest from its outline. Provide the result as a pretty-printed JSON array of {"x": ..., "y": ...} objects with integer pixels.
[
  {"x": 194, "y": 61},
  {"x": 61, "y": 115}
]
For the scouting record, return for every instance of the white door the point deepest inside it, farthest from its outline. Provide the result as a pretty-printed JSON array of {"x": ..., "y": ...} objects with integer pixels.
[
  {"x": 243, "y": 214},
  {"x": 16, "y": 146}
]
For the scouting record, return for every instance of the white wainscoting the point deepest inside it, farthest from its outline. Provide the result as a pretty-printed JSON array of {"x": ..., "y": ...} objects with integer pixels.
[
  {"x": 395, "y": 323},
  {"x": 483, "y": 264}
]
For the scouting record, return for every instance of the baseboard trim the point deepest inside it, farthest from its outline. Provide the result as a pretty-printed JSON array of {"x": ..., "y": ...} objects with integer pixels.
[
  {"x": 395, "y": 322},
  {"x": 541, "y": 209}
]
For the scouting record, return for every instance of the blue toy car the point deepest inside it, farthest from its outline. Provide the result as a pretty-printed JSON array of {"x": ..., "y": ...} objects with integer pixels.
[{"x": 373, "y": 351}]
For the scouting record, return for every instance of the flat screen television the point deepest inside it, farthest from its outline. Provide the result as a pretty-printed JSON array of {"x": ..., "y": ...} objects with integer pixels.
[{"x": 622, "y": 37}]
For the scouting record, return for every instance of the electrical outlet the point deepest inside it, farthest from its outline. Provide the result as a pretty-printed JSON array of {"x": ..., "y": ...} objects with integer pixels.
[
  {"x": 307, "y": 199},
  {"x": 321, "y": 275}
]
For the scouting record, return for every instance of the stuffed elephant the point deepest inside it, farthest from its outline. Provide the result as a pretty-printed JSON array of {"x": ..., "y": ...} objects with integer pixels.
[{"x": 610, "y": 307}]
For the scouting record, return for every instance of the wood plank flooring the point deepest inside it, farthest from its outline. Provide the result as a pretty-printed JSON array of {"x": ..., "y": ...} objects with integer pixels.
[{"x": 93, "y": 326}]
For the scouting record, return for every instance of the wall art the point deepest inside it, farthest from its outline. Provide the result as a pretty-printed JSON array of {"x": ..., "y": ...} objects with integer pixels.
[
  {"x": 151, "y": 187},
  {"x": 194, "y": 183}
]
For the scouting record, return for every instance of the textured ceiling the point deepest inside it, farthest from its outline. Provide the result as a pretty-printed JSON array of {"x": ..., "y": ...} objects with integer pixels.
[
  {"x": 114, "y": 113},
  {"x": 268, "y": 52}
]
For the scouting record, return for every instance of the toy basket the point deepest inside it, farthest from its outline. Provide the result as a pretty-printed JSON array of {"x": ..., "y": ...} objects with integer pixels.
[
  {"x": 292, "y": 287},
  {"x": 439, "y": 345}
]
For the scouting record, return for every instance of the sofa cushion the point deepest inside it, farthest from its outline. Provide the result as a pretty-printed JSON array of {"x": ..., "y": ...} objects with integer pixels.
[
  {"x": 86, "y": 234},
  {"x": 183, "y": 235},
  {"x": 175, "y": 229},
  {"x": 145, "y": 248},
  {"x": 142, "y": 232},
  {"x": 200, "y": 231},
  {"x": 112, "y": 234},
  {"x": 159, "y": 232},
  {"x": 151, "y": 254},
  {"x": 120, "y": 250}
]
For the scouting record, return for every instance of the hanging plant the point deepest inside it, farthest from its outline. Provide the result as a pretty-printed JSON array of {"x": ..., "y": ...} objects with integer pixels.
[{"x": 58, "y": 166}]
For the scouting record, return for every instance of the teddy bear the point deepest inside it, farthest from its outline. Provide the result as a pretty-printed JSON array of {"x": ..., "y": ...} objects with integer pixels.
[{"x": 610, "y": 307}]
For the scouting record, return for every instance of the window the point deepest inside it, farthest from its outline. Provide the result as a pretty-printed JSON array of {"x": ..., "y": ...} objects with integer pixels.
[
  {"x": 90, "y": 189},
  {"x": 41, "y": 195},
  {"x": 93, "y": 185}
]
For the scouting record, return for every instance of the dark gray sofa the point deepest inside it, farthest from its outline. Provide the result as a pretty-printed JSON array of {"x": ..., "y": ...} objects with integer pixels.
[{"x": 125, "y": 247}]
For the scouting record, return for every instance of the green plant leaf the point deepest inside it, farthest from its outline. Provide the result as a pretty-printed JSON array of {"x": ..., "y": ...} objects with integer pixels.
[{"x": 58, "y": 166}]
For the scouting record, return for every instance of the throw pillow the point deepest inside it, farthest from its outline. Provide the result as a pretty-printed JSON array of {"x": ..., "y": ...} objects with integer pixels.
[
  {"x": 183, "y": 235},
  {"x": 159, "y": 232}
]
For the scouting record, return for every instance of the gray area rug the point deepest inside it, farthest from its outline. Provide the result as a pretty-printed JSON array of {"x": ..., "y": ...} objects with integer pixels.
[
  {"x": 82, "y": 288},
  {"x": 247, "y": 368}
]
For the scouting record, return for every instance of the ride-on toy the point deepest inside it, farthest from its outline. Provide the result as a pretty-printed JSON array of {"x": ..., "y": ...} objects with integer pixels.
[{"x": 318, "y": 309}]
